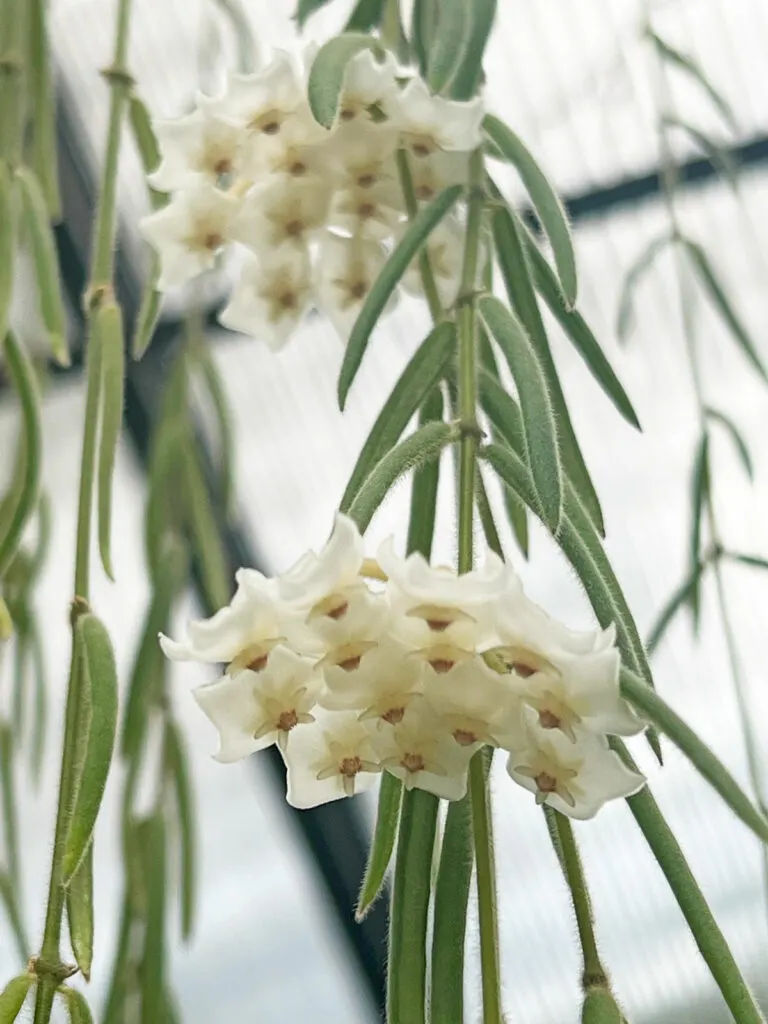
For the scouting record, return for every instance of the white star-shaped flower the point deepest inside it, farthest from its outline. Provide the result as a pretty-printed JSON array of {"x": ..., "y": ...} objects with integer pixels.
[
  {"x": 574, "y": 778},
  {"x": 369, "y": 212},
  {"x": 361, "y": 158},
  {"x": 431, "y": 174},
  {"x": 287, "y": 212},
  {"x": 196, "y": 149},
  {"x": 271, "y": 296},
  {"x": 347, "y": 269},
  {"x": 368, "y": 82},
  {"x": 263, "y": 102},
  {"x": 430, "y": 123},
  {"x": 329, "y": 760},
  {"x": 190, "y": 232},
  {"x": 569, "y": 681},
  {"x": 423, "y": 754},
  {"x": 476, "y": 705},
  {"x": 253, "y": 710},
  {"x": 445, "y": 248},
  {"x": 242, "y": 634},
  {"x": 381, "y": 689}
]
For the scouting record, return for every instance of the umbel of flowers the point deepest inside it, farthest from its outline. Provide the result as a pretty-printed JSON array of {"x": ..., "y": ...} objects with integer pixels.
[
  {"x": 315, "y": 212},
  {"x": 351, "y": 676}
]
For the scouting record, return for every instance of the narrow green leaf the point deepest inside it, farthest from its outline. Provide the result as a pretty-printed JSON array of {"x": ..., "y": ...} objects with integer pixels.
[
  {"x": 42, "y": 121},
  {"x": 682, "y": 596},
  {"x": 383, "y": 843},
  {"x": 447, "y": 49},
  {"x": 543, "y": 455},
  {"x": 736, "y": 436},
  {"x": 699, "y": 493},
  {"x": 153, "y": 854},
  {"x": 469, "y": 76},
  {"x": 632, "y": 279},
  {"x": 416, "y": 381},
  {"x": 7, "y": 245},
  {"x": 149, "y": 310},
  {"x": 8, "y": 803},
  {"x": 108, "y": 335},
  {"x": 518, "y": 520},
  {"x": 485, "y": 513},
  {"x": 80, "y": 913},
  {"x": 753, "y": 561},
  {"x": 711, "y": 284},
  {"x": 178, "y": 771},
  {"x": 694, "y": 71},
  {"x": 406, "y": 981},
  {"x": 452, "y": 887},
  {"x": 367, "y": 15},
  {"x": 222, "y": 414},
  {"x": 423, "y": 22},
  {"x": 579, "y": 332},
  {"x": 98, "y": 664},
  {"x": 326, "y": 76},
  {"x": 546, "y": 202},
  {"x": 517, "y": 279},
  {"x": 8, "y": 896},
  {"x": 13, "y": 996},
  {"x": 46, "y": 263},
  {"x": 412, "y": 240},
  {"x": 206, "y": 538},
  {"x": 426, "y": 480},
  {"x": 77, "y": 1006},
  {"x": 667, "y": 721},
  {"x": 599, "y": 1007},
  {"x": 305, "y": 9},
  {"x": 717, "y": 154},
  {"x": 25, "y": 501},
  {"x": 424, "y": 444},
  {"x": 146, "y": 144}
]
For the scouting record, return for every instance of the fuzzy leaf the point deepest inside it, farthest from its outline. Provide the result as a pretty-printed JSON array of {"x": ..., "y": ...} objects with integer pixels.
[
  {"x": 78, "y": 1010},
  {"x": 579, "y": 332},
  {"x": 42, "y": 113},
  {"x": 149, "y": 310},
  {"x": 423, "y": 22},
  {"x": 415, "y": 383},
  {"x": 80, "y": 913},
  {"x": 469, "y": 75},
  {"x": 667, "y": 721},
  {"x": 426, "y": 480},
  {"x": 413, "y": 239},
  {"x": 423, "y": 445},
  {"x": 448, "y": 42},
  {"x": 367, "y": 15},
  {"x": 108, "y": 335},
  {"x": 326, "y": 77},
  {"x": 711, "y": 284},
  {"x": 100, "y": 678},
  {"x": 12, "y": 997},
  {"x": 538, "y": 415},
  {"x": 383, "y": 843},
  {"x": 736, "y": 436},
  {"x": 632, "y": 279},
  {"x": 546, "y": 202}
]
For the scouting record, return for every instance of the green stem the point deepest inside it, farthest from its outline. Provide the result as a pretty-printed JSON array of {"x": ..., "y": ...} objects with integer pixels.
[
  {"x": 594, "y": 973},
  {"x": 13, "y": 58},
  {"x": 87, "y": 467}
]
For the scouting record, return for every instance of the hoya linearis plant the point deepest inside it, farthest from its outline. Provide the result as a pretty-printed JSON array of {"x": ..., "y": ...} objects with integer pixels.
[{"x": 392, "y": 119}]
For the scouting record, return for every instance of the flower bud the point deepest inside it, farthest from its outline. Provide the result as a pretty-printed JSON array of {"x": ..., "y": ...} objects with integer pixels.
[{"x": 600, "y": 1007}]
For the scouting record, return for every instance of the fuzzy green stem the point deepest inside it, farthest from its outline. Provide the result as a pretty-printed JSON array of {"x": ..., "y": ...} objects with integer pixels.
[
  {"x": 594, "y": 973},
  {"x": 87, "y": 467}
]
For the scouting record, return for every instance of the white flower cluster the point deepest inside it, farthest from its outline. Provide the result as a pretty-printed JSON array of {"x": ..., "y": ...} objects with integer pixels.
[
  {"x": 350, "y": 678},
  {"x": 316, "y": 210}
]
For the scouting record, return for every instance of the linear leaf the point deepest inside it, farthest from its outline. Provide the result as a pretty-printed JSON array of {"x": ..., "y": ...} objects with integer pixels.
[
  {"x": 77, "y": 1007},
  {"x": 326, "y": 76},
  {"x": 9, "y": 897},
  {"x": 485, "y": 512},
  {"x": 736, "y": 436},
  {"x": 204, "y": 530},
  {"x": 25, "y": 501},
  {"x": 98, "y": 663},
  {"x": 42, "y": 121},
  {"x": 753, "y": 561},
  {"x": 469, "y": 75},
  {"x": 451, "y": 899},
  {"x": 7, "y": 245},
  {"x": 516, "y": 272},
  {"x": 699, "y": 493},
  {"x": 447, "y": 49},
  {"x": 383, "y": 843},
  {"x": 712, "y": 285},
  {"x": 632, "y": 279},
  {"x": 426, "y": 480},
  {"x": 178, "y": 770},
  {"x": 692, "y": 69},
  {"x": 546, "y": 202},
  {"x": 579, "y": 332},
  {"x": 8, "y": 802},
  {"x": 424, "y": 444},
  {"x": 13, "y": 996},
  {"x": 412, "y": 240},
  {"x": 538, "y": 415},
  {"x": 681, "y": 597},
  {"x": 80, "y": 913},
  {"x": 717, "y": 154},
  {"x": 153, "y": 866},
  {"x": 46, "y": 263},
  {"x": 305, "y": 9},
  {"x": 415, "y": 383},
  {"x": 108, "y": 335},
  {"x": 216, "y": 392},
  {"x": 423, "y": 21},
  {"x": 667, "y": 721},
  {"x": 366, "y": 15}
]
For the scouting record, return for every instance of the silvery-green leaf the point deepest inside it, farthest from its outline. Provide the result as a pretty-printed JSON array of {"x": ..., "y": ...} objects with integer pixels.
[
  {"x": 80, "y": 913},
  {"x": 305, "y": 9},
  {"x": 632, "y": 279},
  {"x": 469, "y": 74},
  {"x": 13, "y": 996},
  {"x": 681, "y": 597},
  {"x": 448, "y": 42},
  {"x": 426, "y": 480},
  {"x": 699, "y": 494},
  {"x": 107, "y": 333},
  {"x": 366, "y": 15},
  {"x": 382, "y": 844},
  {"x": 326, "y": 77}
]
